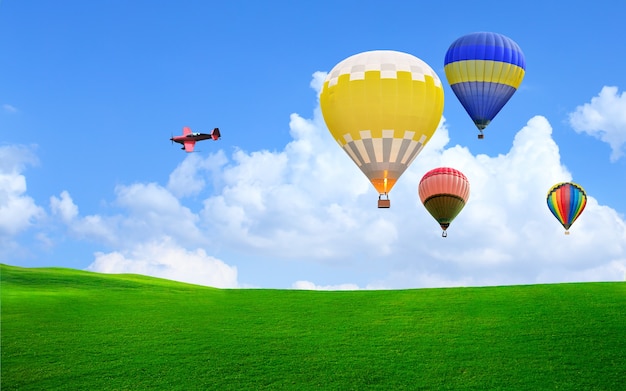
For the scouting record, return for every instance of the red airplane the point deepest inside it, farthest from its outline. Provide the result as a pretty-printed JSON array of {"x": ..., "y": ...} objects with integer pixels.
[{"x": 188, "y": 139}]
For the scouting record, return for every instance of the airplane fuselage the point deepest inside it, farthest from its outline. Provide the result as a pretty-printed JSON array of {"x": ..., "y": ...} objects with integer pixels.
[
  {"x": 188, "y": 139},
  {"x": 191, "y": 137}
]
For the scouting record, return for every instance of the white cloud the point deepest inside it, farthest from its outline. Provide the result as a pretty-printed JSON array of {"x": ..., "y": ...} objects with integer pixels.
[
  {"x": 152, "y": 211},
  {"x": 147, "y": 211},
  {"x": 506, "y": 234},
  {"x": 91, "y": 227},
  {"x": 9, "y": 108},
  {"x": 604, "y": 118},
  {"x": 318, "y": 80},
  {"x": 18, "y": 211},
  {"x": 308, "y": 285},
  {"x": 64, "y": 207},
  {"x": 164, "y": 259},
  {"x": 309, "y": 204},
  {"x": 302, "y": 202},
  {"x": 188, "y": 178},
  {"x": 15, "y": 158},
  {"x": 148, "y": 237}
]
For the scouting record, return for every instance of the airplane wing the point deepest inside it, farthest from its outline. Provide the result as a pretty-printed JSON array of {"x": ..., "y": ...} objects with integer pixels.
[
  {"x": 186, "y": 131},
  {"x": 189, "y": 146}
]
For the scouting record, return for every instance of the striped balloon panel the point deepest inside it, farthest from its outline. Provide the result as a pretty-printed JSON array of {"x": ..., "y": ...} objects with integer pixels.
[
  {"x": 486, "y": 46},
  {"x": 383, "y": 159},
  {"x": 482, "y": 71},
  {"x": 566, "y": 201},
  {"x": 444, "y": 180}
]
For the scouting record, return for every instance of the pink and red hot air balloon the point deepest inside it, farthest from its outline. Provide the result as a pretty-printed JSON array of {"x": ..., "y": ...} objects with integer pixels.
[
  {"x": 444, "y": 191},
  {"x": 566, "y": 201}
]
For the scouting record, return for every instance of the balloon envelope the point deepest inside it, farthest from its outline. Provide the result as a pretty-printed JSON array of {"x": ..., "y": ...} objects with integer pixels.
[
  {"x": 484, "y": 70},
  {"x": 566, "y": 201},
  {"x": 444, "y": 191},
  {"x": 382, "y": 107}
]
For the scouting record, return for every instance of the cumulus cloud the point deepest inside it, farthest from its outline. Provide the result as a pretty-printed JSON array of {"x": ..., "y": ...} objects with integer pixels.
[
  {"x": 604, "y": 118},
  {"x": 167, "y": 260},
  {"x": 147, "y": 210},
  {"x": 64, "y": 207},
  {"x": 192, "y": 174},
  {"x": 91, "y": 227},
  {"x": 318, "y": 80},
  {"x": 505, "y": 234},
  {"x": 149, "y": 237},
  {"x": 308, "y": 204},
  {"x": 302, "y": 202},
  {"x": 18, "y": 211},
  {"x": 153, "y": 211}
]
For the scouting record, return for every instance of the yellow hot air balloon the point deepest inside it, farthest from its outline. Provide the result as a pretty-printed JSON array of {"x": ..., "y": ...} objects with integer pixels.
[{"x": 382, "y": 107}]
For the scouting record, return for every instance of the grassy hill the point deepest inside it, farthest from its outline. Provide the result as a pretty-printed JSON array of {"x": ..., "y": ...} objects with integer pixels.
[{"x": 69, "y": 329}]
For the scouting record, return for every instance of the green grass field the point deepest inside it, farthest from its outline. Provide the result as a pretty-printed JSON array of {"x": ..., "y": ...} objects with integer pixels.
[{"x": 75, "y": 330}]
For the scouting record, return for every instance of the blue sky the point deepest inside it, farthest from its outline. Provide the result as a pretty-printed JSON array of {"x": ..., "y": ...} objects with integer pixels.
[{"x": 91, "y": 92}]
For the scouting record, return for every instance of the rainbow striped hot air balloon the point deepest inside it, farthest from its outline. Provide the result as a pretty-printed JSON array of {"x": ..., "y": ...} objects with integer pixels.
[
  {"x": 444, "y": 192},
  {"x": 566, "y": 201},
  {"x": 484, "y": 70},
  {"x": 382, "y": 107}
]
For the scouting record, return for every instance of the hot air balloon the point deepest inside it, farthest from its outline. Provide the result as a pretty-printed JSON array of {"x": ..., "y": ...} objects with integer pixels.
[
  {"x": 382, "y": 107},
  {"x": 484, "y": 70},
  {"x": 566, "y": 201},
  {"x": 444, "y": 191}
]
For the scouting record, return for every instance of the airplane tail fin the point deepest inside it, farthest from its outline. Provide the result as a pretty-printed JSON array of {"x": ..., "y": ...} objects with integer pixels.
[{"x": 215, "y": 134}]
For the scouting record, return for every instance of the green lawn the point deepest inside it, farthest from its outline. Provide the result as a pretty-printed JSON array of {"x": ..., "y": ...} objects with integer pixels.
[{"x": 75, "y": 330}]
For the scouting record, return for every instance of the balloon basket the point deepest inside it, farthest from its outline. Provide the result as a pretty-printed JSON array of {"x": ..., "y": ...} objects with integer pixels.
[
  {"x": 481, "y": 136},
  {"x": 566, "y": 232},
  {"x": 383, "y": 203}
]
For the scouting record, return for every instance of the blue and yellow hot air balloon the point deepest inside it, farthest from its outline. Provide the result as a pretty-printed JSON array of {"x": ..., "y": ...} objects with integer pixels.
[
  {"x": 382, "y": 107},
  {"x": 566, "y": 201},
  {"x": 484, "y": 70}
]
